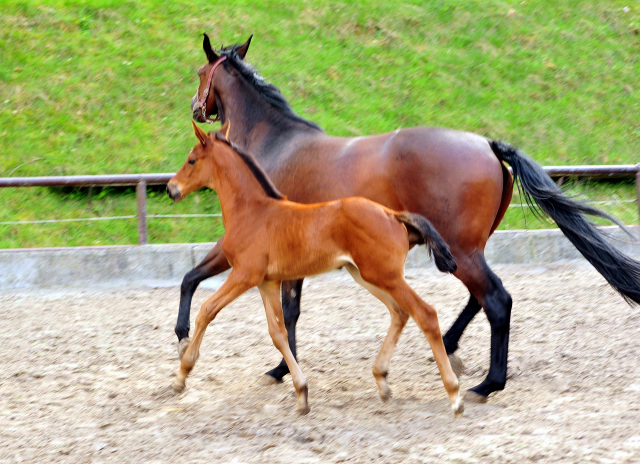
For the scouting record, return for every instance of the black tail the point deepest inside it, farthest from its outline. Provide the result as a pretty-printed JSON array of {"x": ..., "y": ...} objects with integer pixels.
[
  {"x": 426, "y": 234},
  {"x": 622, "y": 272}
]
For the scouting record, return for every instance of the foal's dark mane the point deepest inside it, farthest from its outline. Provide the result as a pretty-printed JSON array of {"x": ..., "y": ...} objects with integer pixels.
[
  {"x": 268, "y": 91},
  {"x": 257, "y": 171}
]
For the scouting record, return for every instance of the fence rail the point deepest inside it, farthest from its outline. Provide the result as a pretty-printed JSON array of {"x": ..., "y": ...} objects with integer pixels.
[{"x": 141, "y": 181}]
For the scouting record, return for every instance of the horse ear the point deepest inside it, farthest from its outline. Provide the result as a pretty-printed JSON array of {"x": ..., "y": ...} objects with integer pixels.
[
  {"x": 206, "y": 45},
  {"x": 202, "y": 135},
  {"x": 242, "y": 49},
  {"x": 224, "y": 130}
]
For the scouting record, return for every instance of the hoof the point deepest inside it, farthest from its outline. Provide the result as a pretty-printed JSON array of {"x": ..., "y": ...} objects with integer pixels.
[
  {"x": 178, "y": 385},
  {"x": 456, "y": 364},
  {"x": 385, "y": 394},
  {"x": 458, "y": 408},
  {"x": 182, "y": 346},
  {"x": 267, "y": 380},
  {"x": 474, "y": 397},
  {"x": 303, "y": 411}
]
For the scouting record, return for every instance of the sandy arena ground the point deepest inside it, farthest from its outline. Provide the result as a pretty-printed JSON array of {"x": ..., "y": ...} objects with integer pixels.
[{"x": 85, "y": 378}]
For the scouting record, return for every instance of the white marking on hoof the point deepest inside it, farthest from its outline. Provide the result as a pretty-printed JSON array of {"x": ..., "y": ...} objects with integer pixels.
[
  {"x": 304, "y": 410},
  {"x": 178, "y": 385},
  {"x": 182, "y": 346},
  {"x": 385, "y": 393},
  {"x": 456, "y": 364},
  {"x": 267, "y": 380},
  {"x": 473, "y": 397},
  {"x": 458, "y": 407}
]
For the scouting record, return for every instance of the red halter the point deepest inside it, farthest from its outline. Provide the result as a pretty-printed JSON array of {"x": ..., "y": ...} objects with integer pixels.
[{"x": 205, "y": 95}]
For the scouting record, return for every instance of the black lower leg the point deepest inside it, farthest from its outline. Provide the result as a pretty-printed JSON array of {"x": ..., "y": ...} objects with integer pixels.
[
  {"x": 497, "y": 306},
  {"x": 452, "y": 337},
  {"x": 189, "y": 285},
  {"x": 291, "y": 293}
]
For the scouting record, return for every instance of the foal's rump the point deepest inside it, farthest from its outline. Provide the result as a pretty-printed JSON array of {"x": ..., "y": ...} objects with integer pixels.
[{"x": 390, "y": 234}]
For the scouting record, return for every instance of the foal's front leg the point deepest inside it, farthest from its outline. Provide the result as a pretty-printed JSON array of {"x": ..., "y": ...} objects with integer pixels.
[
  {"x": 270, "y": 292},
  {"x": 232, "y": 288}
]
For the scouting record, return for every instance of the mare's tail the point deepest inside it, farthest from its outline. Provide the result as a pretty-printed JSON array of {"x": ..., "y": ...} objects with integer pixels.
[
  {"x": 622, "y": 272},
  {"x": 425, "y": 233}
]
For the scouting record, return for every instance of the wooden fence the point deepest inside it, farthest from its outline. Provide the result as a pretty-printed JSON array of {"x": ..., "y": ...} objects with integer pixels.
[{"x": 141, "y": 181}]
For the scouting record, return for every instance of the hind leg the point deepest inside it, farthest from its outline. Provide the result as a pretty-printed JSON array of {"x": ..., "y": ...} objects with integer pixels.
[
  {"x": 491, "y": 295},
  {"x": 452, "y": 337},
  {"x": 291, "y": 295},
  {"x": 398, "y": 321},
  {"x": 427, "y": 319}
]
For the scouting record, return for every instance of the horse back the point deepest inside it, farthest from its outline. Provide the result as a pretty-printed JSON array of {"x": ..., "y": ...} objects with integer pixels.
[{"x": 450, "y": 177}]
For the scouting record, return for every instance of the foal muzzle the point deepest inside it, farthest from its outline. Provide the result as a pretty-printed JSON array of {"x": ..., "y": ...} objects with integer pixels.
[{"x": 174, "y": 192}]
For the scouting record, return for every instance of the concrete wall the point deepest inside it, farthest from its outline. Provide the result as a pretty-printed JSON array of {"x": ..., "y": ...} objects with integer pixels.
[{"x": 167, "y": 264}]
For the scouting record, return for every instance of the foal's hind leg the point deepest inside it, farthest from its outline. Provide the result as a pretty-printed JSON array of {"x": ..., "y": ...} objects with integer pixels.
[
  {"x": 427, "y": 319},
  {"x": 291, "y": 294},
  {"x": 270, "y": 292},
  {"x": 232, "y": 288},
  {"x": 398, "y": 321}
]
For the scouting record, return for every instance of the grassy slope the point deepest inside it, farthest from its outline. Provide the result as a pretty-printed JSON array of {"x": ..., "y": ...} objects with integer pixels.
[{"x": 103, "y": 87}]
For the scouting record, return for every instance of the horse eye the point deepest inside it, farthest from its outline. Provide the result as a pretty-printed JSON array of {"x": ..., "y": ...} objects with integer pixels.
[{"x": 192, "y": 161}]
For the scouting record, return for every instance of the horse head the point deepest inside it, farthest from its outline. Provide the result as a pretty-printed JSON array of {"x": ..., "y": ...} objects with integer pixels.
[{"x": 205, "y": 103}]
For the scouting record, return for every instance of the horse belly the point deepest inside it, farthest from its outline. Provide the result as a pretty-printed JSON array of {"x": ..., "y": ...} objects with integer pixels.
[{"x": 297, "y": 266}]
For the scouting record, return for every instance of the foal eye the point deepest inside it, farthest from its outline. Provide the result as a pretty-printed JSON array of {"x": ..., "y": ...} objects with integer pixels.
[{"x": 192, "y": 161}]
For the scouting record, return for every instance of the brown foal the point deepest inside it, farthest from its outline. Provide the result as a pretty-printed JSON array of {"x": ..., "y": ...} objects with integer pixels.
[{"x": 269, "y": 239}]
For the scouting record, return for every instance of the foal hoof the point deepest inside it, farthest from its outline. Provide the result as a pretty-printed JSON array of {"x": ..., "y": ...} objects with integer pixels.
[
  {"x": 474, "y": 397},
  {"x": 182, "y": 346},
  {"x": 456, "y": 364},
  {"x": 304, "y": 410},
  {"x": 458, "y": 408},
  {"x": 385, "y": 394},
  {"x": 178, "y": 385},
  {"x": 267, "y": 380}
]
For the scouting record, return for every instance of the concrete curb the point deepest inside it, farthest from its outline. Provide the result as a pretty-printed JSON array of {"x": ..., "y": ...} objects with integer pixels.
[{"x": 159, "y": 265}]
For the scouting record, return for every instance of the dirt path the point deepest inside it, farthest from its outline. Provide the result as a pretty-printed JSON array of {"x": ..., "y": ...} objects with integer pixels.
[{"x": 85, "y": 377}]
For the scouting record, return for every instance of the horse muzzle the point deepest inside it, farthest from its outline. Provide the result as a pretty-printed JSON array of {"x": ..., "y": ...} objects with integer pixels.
[{"x": 174, "y": 192}]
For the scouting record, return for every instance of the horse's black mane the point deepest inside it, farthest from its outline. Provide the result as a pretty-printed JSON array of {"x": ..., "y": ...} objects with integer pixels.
[
  {"x": 261, "y": 176},
  {"x": 269, "y": 92}
]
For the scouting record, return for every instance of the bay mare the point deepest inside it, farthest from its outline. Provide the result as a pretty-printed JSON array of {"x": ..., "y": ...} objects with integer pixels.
[
  {"x": 458, "y": 180},
  {"x": 269, "y": 239}
]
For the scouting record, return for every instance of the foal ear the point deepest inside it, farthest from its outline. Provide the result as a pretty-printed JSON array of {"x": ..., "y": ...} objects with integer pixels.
[
  {"x": 242, "y": 49},
  {"x": 206, "y": 45},
  {"x": 202, "y": 135},
  {"x": 224, "y": 130}
]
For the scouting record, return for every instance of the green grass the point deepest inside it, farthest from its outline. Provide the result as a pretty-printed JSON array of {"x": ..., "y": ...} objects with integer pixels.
[{"x": 95, "y": 87}]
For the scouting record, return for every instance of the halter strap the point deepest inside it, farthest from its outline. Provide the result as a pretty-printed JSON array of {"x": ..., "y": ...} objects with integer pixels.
[{"x": 205, "y": 94}]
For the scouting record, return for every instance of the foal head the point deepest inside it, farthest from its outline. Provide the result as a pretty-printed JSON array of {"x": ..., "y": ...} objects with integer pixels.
[{"x": 197, "y": 170}]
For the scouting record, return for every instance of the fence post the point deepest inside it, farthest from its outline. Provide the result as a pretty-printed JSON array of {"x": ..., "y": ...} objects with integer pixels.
[{"x": 141, "y": 197}]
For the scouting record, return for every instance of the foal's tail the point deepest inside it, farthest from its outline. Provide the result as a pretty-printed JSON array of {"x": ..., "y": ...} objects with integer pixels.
[
  {"x": 421, "y": 231},
  {"x": 622, "y": 272}
]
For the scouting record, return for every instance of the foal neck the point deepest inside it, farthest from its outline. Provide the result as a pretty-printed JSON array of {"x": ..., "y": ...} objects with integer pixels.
[{"x": 242, "y": 186}]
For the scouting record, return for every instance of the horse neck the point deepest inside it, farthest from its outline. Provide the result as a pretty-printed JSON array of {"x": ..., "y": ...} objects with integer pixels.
[
  {"x": 239, "y": 192},
  {"x": 257, "y": 126}
]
